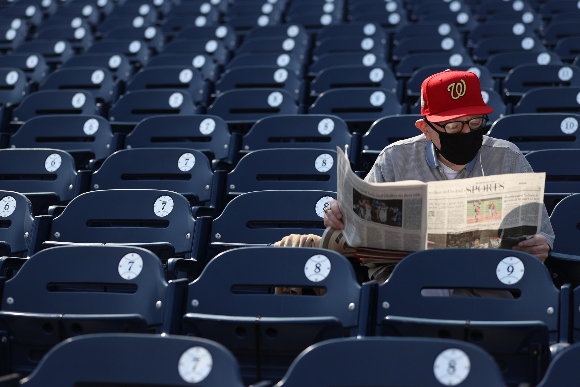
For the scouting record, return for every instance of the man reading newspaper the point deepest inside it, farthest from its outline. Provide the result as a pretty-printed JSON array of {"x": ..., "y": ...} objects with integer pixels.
[{"x": 452, "y": 146}]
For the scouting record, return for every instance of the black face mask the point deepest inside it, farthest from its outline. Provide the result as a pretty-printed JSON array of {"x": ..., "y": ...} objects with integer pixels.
[{"x": 460, "y": 148}]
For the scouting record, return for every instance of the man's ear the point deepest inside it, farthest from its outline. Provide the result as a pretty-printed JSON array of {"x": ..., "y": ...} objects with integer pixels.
[{"x": 423, "y": 127}]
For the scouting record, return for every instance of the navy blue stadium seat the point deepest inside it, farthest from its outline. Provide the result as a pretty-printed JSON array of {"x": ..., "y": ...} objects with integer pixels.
[
  {"x": 384, "y": 132},
  {"x": 16, "y": 230},
  {"x": 498, "y": 29},
  {"x": 552, "y": 9},
  {"x": 202, "y": 62},
  {"x": 499, "y": 65},
  {"x": 550, "y": 100},
  {"x": 180, "y": 21},
  {"x": 552, "y": 33},
  {"x": 490, "y": 46},
  {"x": 186, "y": 78},
  {"x": 155, "y": 219},
  {"x": 50, "y": 102},
  {"x": 268, "y": 77},
  {"x": 134, "y": 359},
  {"x": 284, "y": 168},
  {"x": 357, "y": 29},
  {"x": 117, "y": 64},
  {"x": 290, "y": 31},
  {"x": 411, "y": 63},
  {"x": 54, "y": 51},
  {"x": 391, "y": 19},
  {"x": 464, "y": 21},
  {"x": 215, "y": 48},
  {"x": 206, "y": 133},
  {"x": 514, "y": 10},
  {"x": 10, "y": 38},
  {"x": 340, "y": 44},
  {"x": 537, "y": 131},
  {"x": 246, "y": 106},
  {"x": 568, "y": 48},
  {"x": 529, "y": 18},
  {"x": 278, "y": 44},
  {"x": 31, "y": 14},
  {"x": 96, "y": 80},
  {"x": 565, "y": 219},
  {"x": 33, "y": 65},
  {"x": 525, "y": 77},
  {"x": 428, "y": 29},
  {"x": 185, "y": 171},
  {"x": 346, "y": 59},
  {"x": 411, "y": 361},
  {"x": 116, "y": 20},
  {"x": 135, "y": 50},
  {"x": 563, "y": 369},
  {"x": 88, "y": 139},
  {"x": 229, "y": 303},
  {"x": 151, "y": 35},
  {"x": 516, "y": 330},
  {"x": 286, "y": 61},
  {"x": 46, "y": 176},
  {"x": 426, "y": 45},
  {"x": 13, "y": 86},
  {"x": 79, "y": 38},
  {"x": 86, "y": 10},
  {"x": 358, "y": 107},
  {"x": 223, "y": 32},
  {"x": 562, "y": 173},
  {"x": 134, "y": 106},
  {"x": 65, "y": 291}
]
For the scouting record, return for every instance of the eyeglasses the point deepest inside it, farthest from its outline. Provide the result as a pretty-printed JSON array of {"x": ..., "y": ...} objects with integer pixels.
[{"x": 453, "y": 127}]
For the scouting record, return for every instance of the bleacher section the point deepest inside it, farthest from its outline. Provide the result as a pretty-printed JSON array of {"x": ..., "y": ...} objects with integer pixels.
[{"x": 152, "y": 150}]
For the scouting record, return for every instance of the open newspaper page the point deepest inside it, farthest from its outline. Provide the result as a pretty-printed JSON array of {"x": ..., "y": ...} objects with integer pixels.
[
  {"x": 386, "y": 216},
  {"x": 485, "y": 212}
]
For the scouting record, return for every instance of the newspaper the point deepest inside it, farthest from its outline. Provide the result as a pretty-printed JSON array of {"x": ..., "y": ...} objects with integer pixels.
[{"x": 482, "y": 212}]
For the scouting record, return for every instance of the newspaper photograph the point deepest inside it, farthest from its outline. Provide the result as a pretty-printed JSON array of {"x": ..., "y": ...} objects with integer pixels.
[{"x": 495, "y": 211}]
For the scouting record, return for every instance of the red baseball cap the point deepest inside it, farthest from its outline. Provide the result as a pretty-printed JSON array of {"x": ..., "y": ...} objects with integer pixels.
[{"x": 452, "y": 94}]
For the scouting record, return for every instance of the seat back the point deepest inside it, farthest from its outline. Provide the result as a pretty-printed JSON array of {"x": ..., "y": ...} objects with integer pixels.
[
  {"x": 45, "y": 176},
  {"x": 272, "y": 329},
  {"x": 500, "y": 65},
  {"x": 16, "y": 223},
  {"x": 49, "y": 102},
  {"x": 117, "y": 63},
  {"x": 281, "y": 168},
  {"x": 411, "y": 63},
  {"x": 490, "y": 46},
  {"x": 33, "y": 65},
  {"x": 54, "y": 51},
  {"x": 88, "y": 138},
  {"x": 355, "y": 362},
  {"x": 135, "y": 50},
  {"x": 550, "y": 100},
  {"x": 97, "y": 81},
  {"x": 13, "y": 86},
  {"x": 185, "y": 171},
  {"x": 565, "y": 219},
  {"x": 137, "y": 105},
  {"x": 563, "y": 369},
  {"x": 138, "y": 216},
  {"x": 525, "y": 77},
  {"x": 134, "y": 359}
]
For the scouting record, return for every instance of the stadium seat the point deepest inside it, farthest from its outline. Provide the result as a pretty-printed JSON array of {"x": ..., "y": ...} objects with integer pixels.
[
  {"x": 256, "y": 218},
  {"x": 490, "y": 46},
  {"x": 353, "y": 76},
  {"x": 33, "y": 65},
  {"x": 85, "y": 10},
  {"x": 516, "y": 330},
  {"x": 357, "y": 29},
  {"x": 367, "y": 59},
  {"x": 117, "y": 64},
  {"x": 151, "y": 35},
  {"x": 562, "y": 173},
  {"x": 426, "y": 45},
  {"x": 568, "y": 48},
  {"x": 529, "y": 18},
  {"x": 554, "y": 32},
  {"x": 230, "y": 303},
  {"x": 206, "y": 133},
  {"x": 525, "y": 77},
  {"x": 54, "y": 51},
  {"x": 499, "y": 65},
  {"x": 46, "y": 176},
  {"x": 158, "y": 220},
  {"x": 428, "y": 29},
  {"x": 384, "y": 132},
  {"x": 66, "y": 291},
  {"x": 16, "y": 230},
  {"x": 277, "y": 44},
  {"x": 10, "y": 38},
  {"x": 565, "y": 219},
  {"x": 50, "y": 102},
  {"x": 186, "y": 78},
  {"x": 291, "y": 31},
  {"x": 96, "y": 80},
  {"x": 31, "y": 14},
  {"x": 79, "y": 38},
  {"x": 215, "y": 48},
  {"x": 391, "y": 17},
  {"x": 286, "y": 61},
  {"x": 563, "y": 369},
  {"x": 464, "y": 21},
  {"x": 268, "y": 77},
  {"x": 179, "y": 21},
  {"x": 552, "y": 9},
  {"x": 135, "y": 50},
  {"x": 411, "y": 361},
  {"x": 550, "y": 100},
  {"x": 411, "y": 63},
  {"x": 134, "y": 106},
  {"x": 246, "y": 106},
  {"x": 538, "y": 131},
  {"x": 514, "y": 10},
  {"x": 348, "y": 43},
  {"x": 13, "y": 86},
  {"x": 134, "y": 359},
  {"x": 283, "y": 168},
  {"x": 202, "y": 62},
  {"x": 116, "y": 20},
  {"x": 185, "y": 171},
  {"x": 498, "y": 29},
  {"x": 223, "y": 32},
  {"x": 88, "y": 139},
  {"x": 358, "y": 107}
]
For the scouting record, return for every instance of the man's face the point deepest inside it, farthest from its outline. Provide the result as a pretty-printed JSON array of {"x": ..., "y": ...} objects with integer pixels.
[{"x": 433, "y": 136}]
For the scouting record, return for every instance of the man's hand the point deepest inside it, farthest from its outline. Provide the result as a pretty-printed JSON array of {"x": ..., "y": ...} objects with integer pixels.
[
  {"x": 536, "y": 245},
  {"x": 299, "y": 240},
  {"x": 333, "y": 217}
]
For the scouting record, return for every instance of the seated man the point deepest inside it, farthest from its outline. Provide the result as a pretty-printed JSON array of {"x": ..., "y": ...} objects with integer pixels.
[{"x": 453, "y": 145}]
